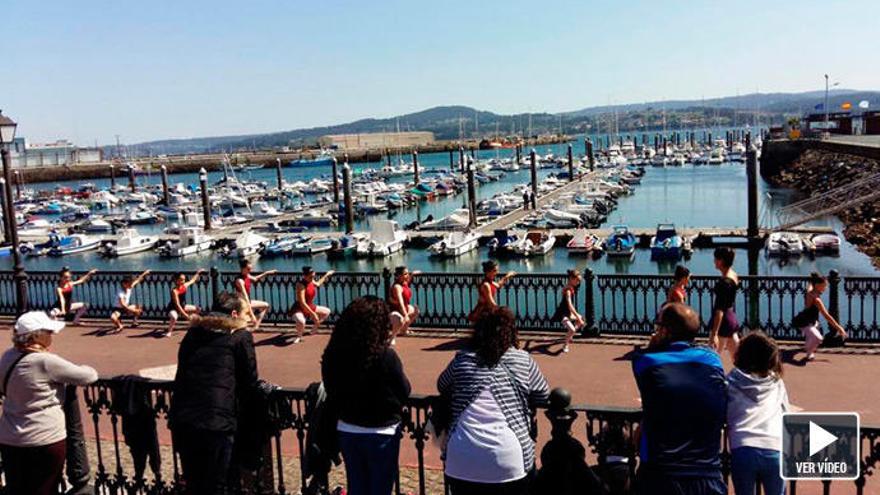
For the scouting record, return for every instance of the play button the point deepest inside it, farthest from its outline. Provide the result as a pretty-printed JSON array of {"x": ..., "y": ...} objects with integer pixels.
[
  {"x": 820, "y": 446},
  {"x": 819, "y": 438}
]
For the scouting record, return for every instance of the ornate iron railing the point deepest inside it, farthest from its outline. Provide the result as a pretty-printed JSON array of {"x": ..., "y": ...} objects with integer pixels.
[
  {"x": 612, "y": 304},
  {"x": 121, "y": 470}
]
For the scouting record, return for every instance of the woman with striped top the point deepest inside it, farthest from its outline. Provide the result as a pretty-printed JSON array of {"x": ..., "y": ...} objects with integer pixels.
[{"x": 491, "y": 386}]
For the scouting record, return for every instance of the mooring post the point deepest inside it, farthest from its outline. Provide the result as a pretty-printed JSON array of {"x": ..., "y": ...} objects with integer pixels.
[
  {"x": 589, "y": 302},
  {"x": 215, "y": 285},
  {"x": 335, "y": 165},
  {"x": 710, "y": 139},
  {"x": 112, "y": 177},
  {"x": 834, "y": 295},
  {"x": 534, "y": 172},
  {"x": 665, "y": 144},
  {"x": 607, "y": 141},
  {"x": 206, "y": 205},
  {"x": 518, "y": 154},
  {"x": 386, "y": 282},
  {"x": 473, "y": 152},
  {"x": 590, "y": 157},
  {"x": 17, "y": 175},
  {"x": 472, "y": 195},
  {"x": 415, "y": 157},
  {"x": 388, "y": 157},
  {"x": 131, "y": 182},
  {"x": 752, "y": 177},
  {"x": 451, "y": 161},
  {"x": 656, "y": 142},
  {"x": 165, "y": 198},
  {"x": 279, "y": 177},
  {"x": 346, "y": 192},
  {"x": 461, "y": 158},
  {"x": 570, "y": 163}
]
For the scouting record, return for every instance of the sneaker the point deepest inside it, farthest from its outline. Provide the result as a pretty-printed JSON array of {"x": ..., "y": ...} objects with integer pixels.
[
  {"x": 565, "y": 349},
  {"x": 393, "y": 342},
  {"x": 811, "y": 357},
  {"x": 297, "y": 340}
]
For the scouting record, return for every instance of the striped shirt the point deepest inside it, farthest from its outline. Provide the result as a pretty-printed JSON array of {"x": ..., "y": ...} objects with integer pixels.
[{"x": 516, "y": 384}]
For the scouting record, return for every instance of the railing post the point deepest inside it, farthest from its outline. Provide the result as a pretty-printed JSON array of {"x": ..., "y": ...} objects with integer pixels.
[
  {"x": 834, "y": 294},
  {"x": 589, "y": 303},
  {"x": 386, "y": 282},
  {"x": 562, "y": 451},
  {"x": 215, "y": 285}
]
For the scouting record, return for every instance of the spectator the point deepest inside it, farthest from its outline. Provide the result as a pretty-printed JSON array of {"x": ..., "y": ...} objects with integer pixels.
[
  {"x": 364, "y": 380},
  {"x": 491, "y": 387},
  {"x": 32, "y": 424},
  {"x": 403, "y": 314},
  {"x": 756, "y": 400},
  {"x": 216, "y": 368},
  {"x": 808, "y": 319},
  {"x": 65, "y": 306},
  {"x": 684, "y": 399}
]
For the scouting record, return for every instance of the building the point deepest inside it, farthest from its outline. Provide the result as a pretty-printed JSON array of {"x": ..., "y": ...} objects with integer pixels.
[
  {"x": 59, "y": 153},
  {"x": 376, "y": 140},
  {"x": 838, "y": 123}
]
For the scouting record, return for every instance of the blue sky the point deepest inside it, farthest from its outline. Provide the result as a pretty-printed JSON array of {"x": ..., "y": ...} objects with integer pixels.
[{"x": 87, "y": 70}]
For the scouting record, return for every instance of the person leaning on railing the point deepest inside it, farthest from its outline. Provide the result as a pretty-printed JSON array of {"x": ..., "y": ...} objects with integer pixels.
[
  {"x": 490, "y": 387},
  {"x": 32, "y": 424}
]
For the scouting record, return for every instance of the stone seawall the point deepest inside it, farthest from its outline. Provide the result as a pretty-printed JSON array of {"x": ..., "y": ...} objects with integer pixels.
[{"x": 814, "y": 168}]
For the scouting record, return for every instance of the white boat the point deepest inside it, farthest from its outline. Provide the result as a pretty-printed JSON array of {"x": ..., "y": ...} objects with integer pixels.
[
  {"x": 457, "y": 220},
  {"x": 247, "y": 244},
  {"x": 536, "y": 244},
  {"x": 190, "y": 240},
  {"x": 263, "y": 209},
  {"x": 75, "y": 244},
  {"x": 583, "y": 243},
  {"x": 128, "y": 241},
  {"x": 35, "y": 227},
  {"x": 559, "y": 218},
  {"x": 455, "y": 244},
  {"x": 309, "y": 247},
  {"x": 784, "y": 244},
  {"x": 825, "y": 243},
  {"x": 386, "y": 238},
  {"x": 96, "y": 226}
]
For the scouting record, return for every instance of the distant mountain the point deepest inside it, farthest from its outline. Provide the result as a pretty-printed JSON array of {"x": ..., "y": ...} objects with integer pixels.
[{"x": 452, "y": 122}]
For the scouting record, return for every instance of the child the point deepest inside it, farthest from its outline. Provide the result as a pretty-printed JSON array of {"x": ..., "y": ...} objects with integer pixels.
[
  {"x": 678, "y": 292},
  {"x": 808, "y": 319},
  {"x": 177, "y": 307},
  {"x": 756, "y": 400},
  {"x": 567, "y": 312},
  {"x": 615, "y": 449},
  {"x": 124, "y": 308}
]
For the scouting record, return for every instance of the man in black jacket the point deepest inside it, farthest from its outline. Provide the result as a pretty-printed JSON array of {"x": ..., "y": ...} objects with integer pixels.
[{"x": 216, "y": 367}]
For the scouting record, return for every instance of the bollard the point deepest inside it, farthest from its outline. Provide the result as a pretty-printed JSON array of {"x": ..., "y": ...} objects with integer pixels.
[
  {"x": 165, "y": 198},
  {"x": 834, "y": 295},
  {"x": 415, "y": 157},
  {"x": 346, "y": 192},
  {"x": 590, "y": 157},
  {"x": 335, "y": 166},
  {"x": 589, "y": 303},
  {"x": 570, "y": 164},
  {"x": 534, "y": 173},
  {"x": 752, "y": 183},
  {"x": 279, "y": 176},
  {"x": 472, "y": 196},
  {"x": 131, "y": 182},
  {"x": 206, "y": 206}
]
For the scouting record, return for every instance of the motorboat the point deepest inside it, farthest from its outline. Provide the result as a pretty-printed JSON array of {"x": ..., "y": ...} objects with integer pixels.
[
  {"x": 457, "y": 220},
  {"x": 561, "y": 219},
  {"x": 535, "y": 243},
  {"x": 385, "y": 238},
  {"x": 324, "y": 159},
  {"x": 246, "y": 244},
  {"x": 583, "y": 243},
  {"x": 666, "y": 243},
  {"x": 784, "y": 244},
  {"x": 262, "y": 209},
  {"x": 309, "y": 247},
  {"x": 281, "y": 246},
  {"x": 96, "y": 226},
  {"x": 621, "y": 242},
  {"x": 76, "y": 244},
  {"x": 140, "y": 216},
  {"x": 190, "y": 240},
  {"x": 345, "y": 246},
  {"x": 35, "y": 227},
  {"x": 314, "y": 218},
  {"x": 825, "y": 243},
  {"x": 455, "y": 244},
  {"x": 128, "y": 241}
]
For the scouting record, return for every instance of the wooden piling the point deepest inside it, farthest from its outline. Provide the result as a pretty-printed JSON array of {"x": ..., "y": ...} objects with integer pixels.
[
  {"x": 132, "y": 184},
  {"x": 570, "y": 163},
  {"x": 206, "y": 205},
  {"x": 472, "y": 195},
  {"x": 280, "y": 177},
  {"x": 335, "y": 166},
  {"x": 534, "y": 173},
  {"x": 165, "y": 198},
  {"x": 112, "y": 177},
  {"x": 346, "y": 191},
  {"x": 752, "y": 178},
  {"x": 415, "y": 158},
  {"x": 590, "y": 156}
]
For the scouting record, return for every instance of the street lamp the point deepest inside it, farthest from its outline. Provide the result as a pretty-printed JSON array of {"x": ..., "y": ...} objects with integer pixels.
[{"x": 7, "y": 136}]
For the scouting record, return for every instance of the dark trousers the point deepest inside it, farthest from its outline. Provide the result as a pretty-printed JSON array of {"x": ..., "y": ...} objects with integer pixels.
[
  {"x": 33, "y": 470},
  {"x": 205, "y": 457},
  {"x": 370, "y": 462},
  {"x": 461, "y": 487},
  {"x": 78, "y": 469}
]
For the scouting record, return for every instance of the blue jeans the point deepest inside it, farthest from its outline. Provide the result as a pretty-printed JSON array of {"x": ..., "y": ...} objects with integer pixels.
[
  {"x": 370, "y": 462},
  {"x": 750, "y": 466}
]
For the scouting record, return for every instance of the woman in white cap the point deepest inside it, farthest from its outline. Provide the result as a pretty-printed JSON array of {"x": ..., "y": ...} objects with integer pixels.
[{"x": 32, "y": 432}]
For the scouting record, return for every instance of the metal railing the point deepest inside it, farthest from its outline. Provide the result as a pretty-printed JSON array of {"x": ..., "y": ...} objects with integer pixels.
[
  {"x": 611, "y": 304},
  {"x": 117, "y": 472}
]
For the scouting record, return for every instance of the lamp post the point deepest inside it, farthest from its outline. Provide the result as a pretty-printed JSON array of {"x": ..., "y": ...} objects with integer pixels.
[{"x": 7, "y": 135}]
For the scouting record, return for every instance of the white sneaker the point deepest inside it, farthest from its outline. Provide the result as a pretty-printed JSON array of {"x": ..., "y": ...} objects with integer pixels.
[
  {"x": 565, "y": 349},
  {"x": 393, "y": 342},
  {"x": 297, "y": 340}
]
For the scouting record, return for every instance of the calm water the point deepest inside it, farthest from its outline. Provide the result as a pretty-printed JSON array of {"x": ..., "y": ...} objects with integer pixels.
[{"x": 704, "y": 196}]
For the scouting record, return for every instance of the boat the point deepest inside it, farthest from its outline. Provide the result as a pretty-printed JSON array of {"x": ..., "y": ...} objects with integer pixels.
[
  {"x": 455, "y": 244},
  {"x": 76, "y": 244},
  {"x": 621, "y": 242},
  {"x": 96, "y": 226},
  {"x": 246, "y": 244},
  {"x": 784, "y": 244},
  {"x": 345, "y": 246},
  {"x": 562, "y": 219},
  {"x": 324, "y": 159},
  {"x": 128, "y": 241},
  {"x": 825, "y": 243},
  {"x": 313, "y": 218},
  {"x": 140, "y": 217},
  {"x": 535, "y": 243},
  {"x": 583, "y": 243},
  {"x": 385, "y": 238},
  {"x": 502, "y": 243},
  {"x": 666, "y": 243},
  {"x": 457, "y": 220},
  {"x": 35, "y": 227},
  {"x": 281, "y": 246},
  {"x": 309, "y": 247},
  {"x": 190, "y": 240},
  {"x": 263, "y": 209}
]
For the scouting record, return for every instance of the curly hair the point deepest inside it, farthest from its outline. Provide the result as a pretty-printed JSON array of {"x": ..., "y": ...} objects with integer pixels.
[
  {"x": 758, "y": 354},
  {"x": 360, "y": 336},
  {"x": 494, "y": 334}
]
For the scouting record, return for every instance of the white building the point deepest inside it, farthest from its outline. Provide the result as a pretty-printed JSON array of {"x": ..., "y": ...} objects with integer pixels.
[{"x": 59, "y": 153}]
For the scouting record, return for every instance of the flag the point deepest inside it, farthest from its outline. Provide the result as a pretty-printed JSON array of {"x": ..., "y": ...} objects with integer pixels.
[
  {"x": 864, "y": 104},
  {"x": 819, "y": 106},
  {"x": 846, "y": 105}
]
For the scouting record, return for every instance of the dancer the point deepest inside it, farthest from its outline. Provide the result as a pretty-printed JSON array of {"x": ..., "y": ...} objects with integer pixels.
[
  {"x": 177, "y": 307},
  {"x": 124, "y": 307},
  {"x": 403, "y": 314},
  {"x": 305, "y": 308},
  {"x": 65, "y": 306},
  {"x": 808, "y": 319},
  {"x": 243, "y": 287},
  {"x": 724, "y": 326},
  {"x": 678, "y": 292},
  {"x": 566, "y": 312},
  {"x": 488, "y": 289}
]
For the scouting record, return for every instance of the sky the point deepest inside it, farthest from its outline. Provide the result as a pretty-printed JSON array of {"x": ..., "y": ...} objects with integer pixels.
[{"x": 93, "y": 69}]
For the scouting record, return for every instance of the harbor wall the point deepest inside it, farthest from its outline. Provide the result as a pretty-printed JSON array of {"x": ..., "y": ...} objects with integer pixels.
[{"x": 815, "y": 167}]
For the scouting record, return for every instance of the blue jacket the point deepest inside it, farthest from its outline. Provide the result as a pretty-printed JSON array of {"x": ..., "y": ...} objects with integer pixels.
[{"x": 684, "y": 398}]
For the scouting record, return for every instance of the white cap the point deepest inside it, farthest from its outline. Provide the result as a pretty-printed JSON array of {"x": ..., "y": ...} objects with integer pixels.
[{"x": 36, "y": 321}]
